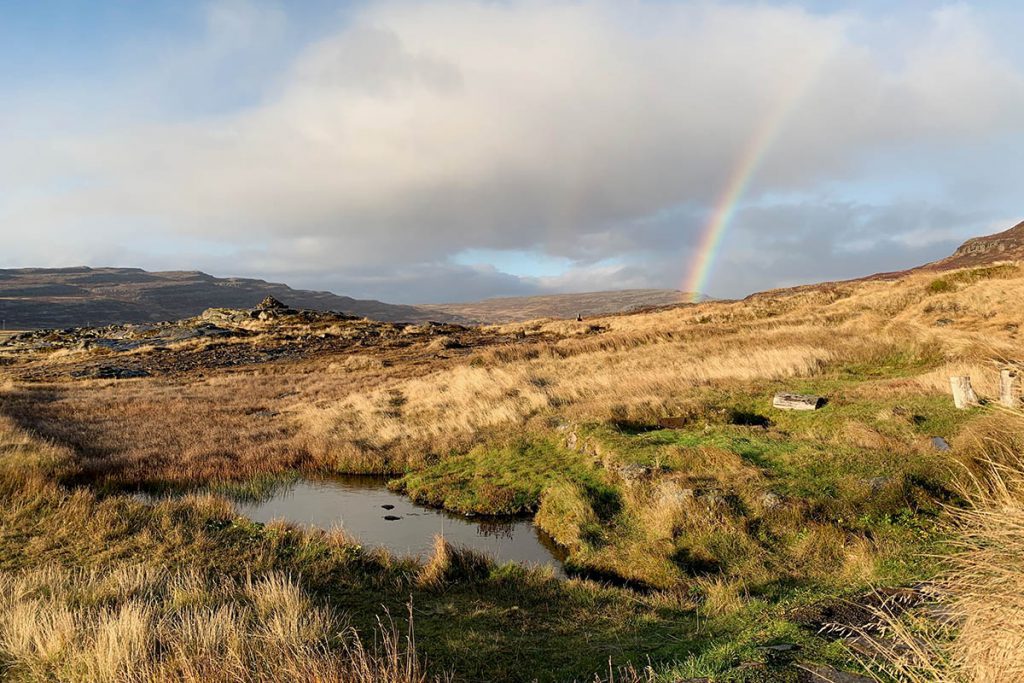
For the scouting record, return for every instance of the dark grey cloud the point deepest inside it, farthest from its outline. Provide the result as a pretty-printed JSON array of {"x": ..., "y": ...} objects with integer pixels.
[
  {"x": 593, "y": 131},
  {"x": 790, "y": 244}
]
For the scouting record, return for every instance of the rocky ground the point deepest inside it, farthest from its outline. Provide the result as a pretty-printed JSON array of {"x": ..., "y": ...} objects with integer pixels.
[{"x": 225, "y": 338}]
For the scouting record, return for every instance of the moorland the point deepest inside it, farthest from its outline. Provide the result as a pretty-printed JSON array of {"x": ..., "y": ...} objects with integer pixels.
[{"x": 707, "y": 535}]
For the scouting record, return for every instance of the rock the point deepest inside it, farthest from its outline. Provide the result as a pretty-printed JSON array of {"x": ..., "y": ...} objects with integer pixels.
[
  {"x": 388, "y": 506},
  {"x": 780, "y": 647},
  {"x": 270, "y": 308},
  {"x": 711, "y": 497},
  {"x": 820, "y": 673},
  {"x": 671, "y": 493},
  {"x": 270, "y": 304},
  {"x": 228, "y": 316},
  {"x": 878, "y": 483},
  {"x": 391, "y": 518},
  {"x": 770, "y": 500},
  {"x": 940, "y": 444},
  {"x": 110, "y": 372},
  {"x": 445, "y": 342},
  {"x": 787, "y": 401},
  {"x": 633, "y": 471}
]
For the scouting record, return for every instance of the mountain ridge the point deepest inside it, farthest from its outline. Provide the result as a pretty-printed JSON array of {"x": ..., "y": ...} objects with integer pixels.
[
  {"x": 41, "y": 298},
  {"x": 508, "y": 309},
  {"x": 33, "y": 298},
  {"x": 1007, "y": 245}
]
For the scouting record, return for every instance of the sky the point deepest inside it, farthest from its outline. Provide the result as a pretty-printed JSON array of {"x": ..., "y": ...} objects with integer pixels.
[{"x": 453, "y": 150}]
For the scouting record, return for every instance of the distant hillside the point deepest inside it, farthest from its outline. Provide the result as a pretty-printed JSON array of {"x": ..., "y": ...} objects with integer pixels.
[
  {"x": 1002, "y": 246},
  {"x": 33, "y": 298},
  {"x": 589, "y": 304},
  {"x": 1007, "y": 245}
]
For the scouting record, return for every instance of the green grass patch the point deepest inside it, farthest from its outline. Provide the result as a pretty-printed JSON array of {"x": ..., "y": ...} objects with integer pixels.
[
  {"x": 510, "y": 623},
  {"x": 504, "y": 479},
  {"x": 950, "y": 282}
]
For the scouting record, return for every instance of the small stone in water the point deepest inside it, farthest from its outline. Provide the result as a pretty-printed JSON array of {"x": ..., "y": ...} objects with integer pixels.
[
  {"x": 391, "y": 518},
  {"x": 388, "y": 506}
]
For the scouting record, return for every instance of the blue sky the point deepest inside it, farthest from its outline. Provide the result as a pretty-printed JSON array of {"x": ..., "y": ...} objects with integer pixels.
[{"x": 429, "y": 151}]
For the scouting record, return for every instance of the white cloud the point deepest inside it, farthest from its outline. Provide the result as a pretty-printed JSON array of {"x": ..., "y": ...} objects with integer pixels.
[{"x": 418, "y": 130}]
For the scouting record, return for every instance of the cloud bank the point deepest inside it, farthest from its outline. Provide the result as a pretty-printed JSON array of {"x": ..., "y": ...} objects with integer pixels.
[{"x": 368, "y": 158}]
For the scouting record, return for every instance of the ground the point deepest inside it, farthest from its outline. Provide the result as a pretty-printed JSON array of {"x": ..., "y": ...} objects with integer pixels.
[{"x": 702, "y": 526}]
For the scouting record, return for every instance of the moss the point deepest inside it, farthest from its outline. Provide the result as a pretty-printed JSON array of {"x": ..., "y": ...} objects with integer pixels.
[{"x": 502, "y": 479}]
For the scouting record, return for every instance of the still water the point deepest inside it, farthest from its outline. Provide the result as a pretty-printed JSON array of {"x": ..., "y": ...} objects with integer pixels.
[{"x": 367, "y": 510}]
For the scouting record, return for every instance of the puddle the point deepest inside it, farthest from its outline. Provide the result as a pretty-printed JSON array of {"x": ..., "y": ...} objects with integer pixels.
[{"x": 366, "y": 509}]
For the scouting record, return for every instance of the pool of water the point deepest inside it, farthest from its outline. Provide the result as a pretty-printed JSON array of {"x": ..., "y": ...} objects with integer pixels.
[{"x": 367, "y": 510}]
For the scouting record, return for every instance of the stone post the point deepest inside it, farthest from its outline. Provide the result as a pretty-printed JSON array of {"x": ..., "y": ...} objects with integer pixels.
[
  {"x": 963, "y": 394},
  {"x": 1007, "y": 388}
]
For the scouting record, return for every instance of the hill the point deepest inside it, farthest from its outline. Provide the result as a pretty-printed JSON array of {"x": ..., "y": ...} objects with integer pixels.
[
  {"x": 1007, "y": 245},
  {"x": 1002, "y": 246},
  {"x": 34, "y": 298},
  {"x": 587, "y": 304},
  {"x": 725, "y": 535}
]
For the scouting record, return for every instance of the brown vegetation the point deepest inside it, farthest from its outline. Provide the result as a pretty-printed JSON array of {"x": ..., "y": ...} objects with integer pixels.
[
  {"x": 726, "y": 511},
  {"x": 975, "y": 631},
  {"x": 381, "y": 410},
  {"x": 565, "y": 306},
  {"x": 140, "y": 623}
]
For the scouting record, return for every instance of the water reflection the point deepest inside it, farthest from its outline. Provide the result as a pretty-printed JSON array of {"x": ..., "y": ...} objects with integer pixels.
[{"x": 367, "y": 510}]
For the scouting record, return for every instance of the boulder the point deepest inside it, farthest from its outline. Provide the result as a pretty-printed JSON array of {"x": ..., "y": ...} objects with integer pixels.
[
  {"x": 110, "y": 372},
  {"x": 270, "y": 304},
  {"x": 787, "y": 401},
  {"x": 633, "y": 471},
  {"x": 671, "y": 493}
]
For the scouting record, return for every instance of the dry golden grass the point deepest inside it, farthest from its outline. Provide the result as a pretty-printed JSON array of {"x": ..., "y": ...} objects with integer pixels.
[
  {"x": 374, "y": 412},
  {"x": 644, "y": 366},
  {"x": 385, "y": 412},
  {"x": 447, "y": 410},
  {"x": 448, "y": 563},
  {"x": 979, "y": 637},
  {"x": 722, "y": 596},
  {"x": 139, "y": 623}
]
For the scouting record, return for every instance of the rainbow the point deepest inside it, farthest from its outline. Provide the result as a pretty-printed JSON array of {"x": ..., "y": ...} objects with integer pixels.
[{"x": 736, "y": 184}]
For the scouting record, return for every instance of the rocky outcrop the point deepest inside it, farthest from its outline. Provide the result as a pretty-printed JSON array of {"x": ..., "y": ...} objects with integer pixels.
[
  {"x": 38, "y": 298},
  {"x": 978, "y": 251},
  {"x": 270, "y": 304},
  {"x": 271, "y": 308},
  {"x": 271, "y": 332}
]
